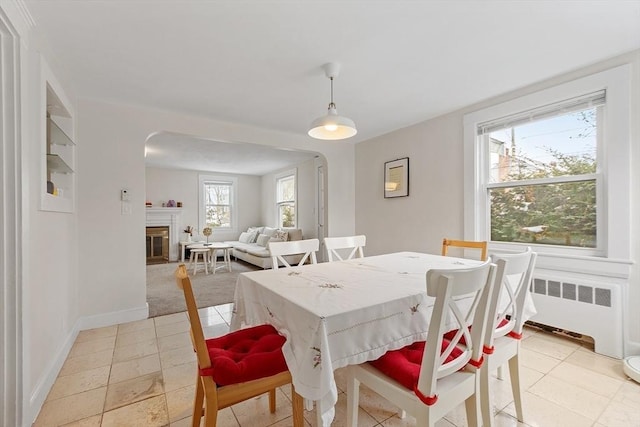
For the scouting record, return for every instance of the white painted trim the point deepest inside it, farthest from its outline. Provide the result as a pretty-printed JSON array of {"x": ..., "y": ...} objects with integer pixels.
[
  {"x": 202, "y": 178},
  {"x": 285, "y": 174},
  {"x": 167, "y": 217},
  {"x": 11, "y": 227},
  {"x": 113, "y": 318},
  {"x": 42, "y": 388},
  {"x": 614, "y": 157}
]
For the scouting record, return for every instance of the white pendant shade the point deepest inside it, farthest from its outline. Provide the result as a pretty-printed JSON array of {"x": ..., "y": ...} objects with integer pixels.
[{"x": 332, "y": 127}]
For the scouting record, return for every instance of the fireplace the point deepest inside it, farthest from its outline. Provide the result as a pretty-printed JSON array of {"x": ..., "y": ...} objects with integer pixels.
[
  {"x": 170, "y": 219},
  {"x": 157, "y": 245}
]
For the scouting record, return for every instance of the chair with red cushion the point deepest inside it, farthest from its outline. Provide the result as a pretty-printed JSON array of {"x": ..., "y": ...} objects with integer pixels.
[
  {"x": 237, "y": 366},
  {"x": 465, "y": 244},
  {"x": 428, "y": 380},
  {"x": 505, "y": 340}
]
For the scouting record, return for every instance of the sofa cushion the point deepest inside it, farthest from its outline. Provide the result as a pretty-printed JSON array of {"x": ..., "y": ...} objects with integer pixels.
[
  {"x": 259, "y": 251},
  {"x": 295, "y": 234},
  {"x": 269, "y": 231},
  {"x": 246, "y": 237},
  {"x": 262, "y": 240},
  {"x": 257, "y": 230}
]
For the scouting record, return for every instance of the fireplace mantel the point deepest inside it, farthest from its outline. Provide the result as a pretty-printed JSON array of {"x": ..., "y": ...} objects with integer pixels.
[{"x": 167, "y": 217}]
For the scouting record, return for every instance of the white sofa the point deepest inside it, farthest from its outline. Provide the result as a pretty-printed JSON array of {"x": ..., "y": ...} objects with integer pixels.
[{"x": 252, "y": 246}]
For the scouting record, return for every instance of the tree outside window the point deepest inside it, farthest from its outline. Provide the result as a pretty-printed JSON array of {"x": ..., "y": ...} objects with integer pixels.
[
  {"x": 217, "y": 204},
  {"x": 542, "y": 183},
  {"x": 286, "y": 200}
]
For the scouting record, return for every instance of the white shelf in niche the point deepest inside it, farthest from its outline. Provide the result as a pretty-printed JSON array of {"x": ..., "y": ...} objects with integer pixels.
[{"x": 55, "y": 164}]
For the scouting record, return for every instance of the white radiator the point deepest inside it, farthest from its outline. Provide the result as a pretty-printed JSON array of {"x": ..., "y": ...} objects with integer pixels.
[{"x": 590, "y": 306}]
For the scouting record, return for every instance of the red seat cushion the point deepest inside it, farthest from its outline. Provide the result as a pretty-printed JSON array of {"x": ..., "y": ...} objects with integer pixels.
[
  {"x": 404, "y": 365},
  {"x": 245, "y": 355}
]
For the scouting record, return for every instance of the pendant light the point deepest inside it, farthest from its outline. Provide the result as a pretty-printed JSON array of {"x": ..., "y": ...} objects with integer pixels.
[{"x": 332, "y": 126}]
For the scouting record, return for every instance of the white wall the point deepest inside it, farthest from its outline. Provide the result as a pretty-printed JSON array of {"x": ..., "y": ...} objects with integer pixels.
[
  {"x": 182, "y": 186},
  {"x": 434, "y": 208},
  {"x": 111, "y": 157},
  {"x": 306, "y": 198}
]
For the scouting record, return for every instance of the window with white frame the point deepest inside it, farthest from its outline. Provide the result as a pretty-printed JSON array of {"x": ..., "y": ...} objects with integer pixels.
[
  {"x": 548, "y": 169},
  {"x": 217, "y": 202},
  {"x": 286, "y": 199},
  {"x": 542, "y": 183}
]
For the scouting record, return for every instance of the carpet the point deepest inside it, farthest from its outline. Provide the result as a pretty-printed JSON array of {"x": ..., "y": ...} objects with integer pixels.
[{"x": 164, "y": 296}]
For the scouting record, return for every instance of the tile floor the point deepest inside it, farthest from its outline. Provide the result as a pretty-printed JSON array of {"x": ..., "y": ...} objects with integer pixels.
[{"x": 143, "y": 374}]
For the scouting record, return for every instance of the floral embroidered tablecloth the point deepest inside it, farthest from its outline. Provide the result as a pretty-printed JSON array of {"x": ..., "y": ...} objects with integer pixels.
[{"x": 340, "y": 313}]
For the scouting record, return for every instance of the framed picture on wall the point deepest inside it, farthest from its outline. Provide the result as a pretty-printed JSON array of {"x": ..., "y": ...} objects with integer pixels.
[{"x": 396, "y": 178}]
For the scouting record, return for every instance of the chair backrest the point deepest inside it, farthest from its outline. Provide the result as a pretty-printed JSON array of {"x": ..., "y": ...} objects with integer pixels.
[
  {"x": 466, "y": 244},
  {"x": 355, "y": 243},
  {"x": 464, "y": 297},
  {"x": 197, "y": 335},
  {"x": 307, "y": 248},
  {"x": 515, "y": 286}
]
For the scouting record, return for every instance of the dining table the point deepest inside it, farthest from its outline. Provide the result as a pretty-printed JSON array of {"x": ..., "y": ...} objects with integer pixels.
[{"x": 336, "y": 314}]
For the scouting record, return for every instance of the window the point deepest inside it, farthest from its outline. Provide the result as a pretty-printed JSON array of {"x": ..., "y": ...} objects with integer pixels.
[
  {"x": 217, "y": 202},
  {"x": 542, "y": 178},
  {"x": 286, "y": 199},
  {"x": 551, "y": 169}
]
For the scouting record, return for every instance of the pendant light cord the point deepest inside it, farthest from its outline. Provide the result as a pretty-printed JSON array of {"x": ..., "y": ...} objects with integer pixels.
[{"x": 331, "y": 104}]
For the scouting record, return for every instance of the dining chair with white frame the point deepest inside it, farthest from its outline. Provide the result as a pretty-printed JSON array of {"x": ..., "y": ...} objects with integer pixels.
[
  {"x": 306, "y": 248},
  {"x": 334, "y": 246},
  {"x": 448, "y": 370},
  {"x": 506, "y": 333}
]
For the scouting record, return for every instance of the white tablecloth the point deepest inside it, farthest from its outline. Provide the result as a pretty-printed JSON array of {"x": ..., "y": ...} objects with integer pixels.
[{"x": 340, "y": 313}]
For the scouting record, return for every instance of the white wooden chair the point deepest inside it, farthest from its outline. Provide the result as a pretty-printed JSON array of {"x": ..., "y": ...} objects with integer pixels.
[
  {"x": 504, "y": 346},
  {"x": 355, "y": 243},
  {"x": 306, "y": 248},
  {"x": 448, "y": 368}
]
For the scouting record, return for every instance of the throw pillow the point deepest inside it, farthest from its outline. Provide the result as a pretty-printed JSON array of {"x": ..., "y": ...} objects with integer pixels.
[
  {"x": 255, "y": 229},
  {"x": 262, "y": 240},
  {"x": 269, "y": 231},
  {"x": 282, "y": 235},
  {"x": 245, "y": 237}
]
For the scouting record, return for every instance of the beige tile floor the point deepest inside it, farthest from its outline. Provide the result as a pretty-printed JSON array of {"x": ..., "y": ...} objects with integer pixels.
[{"x": 143, "y": 374}]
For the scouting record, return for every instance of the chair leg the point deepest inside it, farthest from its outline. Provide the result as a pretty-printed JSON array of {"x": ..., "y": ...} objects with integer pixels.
[
  {"x": 298, "y": 408},
  {"x": 353, "y": 398},
  {"x": 501, "y": 372},
  {"x": 516, "y": 387},
  {"x": 211, "y": 403},
  {"x": 485, "y": 397},
  {"x": 272, "y": 400},
  {"x": 471, "y": 407},
  {"x": 197, "y": 403}
]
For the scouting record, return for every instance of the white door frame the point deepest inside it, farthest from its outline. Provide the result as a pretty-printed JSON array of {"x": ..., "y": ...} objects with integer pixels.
[{"x": 10, "y": 228}]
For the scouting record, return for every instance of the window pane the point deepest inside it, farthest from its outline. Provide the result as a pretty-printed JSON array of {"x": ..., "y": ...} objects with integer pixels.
[
  {"x": 287, "y": 215},
  {"x": 558, "y": 146},
  {"x": 286, "y": 189},
  {"x": 218, "y": 216},
  {"x": 554, "y": 214},
  {"x": 217, "y": 194}
]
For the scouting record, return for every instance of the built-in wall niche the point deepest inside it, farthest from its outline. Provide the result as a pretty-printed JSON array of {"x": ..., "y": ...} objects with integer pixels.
[{"x": 58, "y": 186}]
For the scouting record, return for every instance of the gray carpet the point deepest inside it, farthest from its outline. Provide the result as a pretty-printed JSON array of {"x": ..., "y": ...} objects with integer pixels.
[{"x": 164, "y": 297}]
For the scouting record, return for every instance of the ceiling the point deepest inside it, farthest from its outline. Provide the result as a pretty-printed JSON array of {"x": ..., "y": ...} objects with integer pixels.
[{"x": 259, "y": 62}]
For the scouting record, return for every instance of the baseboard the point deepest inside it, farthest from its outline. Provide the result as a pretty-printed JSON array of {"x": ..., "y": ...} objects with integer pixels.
[
  {"x": 113, "y": 318},
  {"x": 51, "y": 373},
  {"x": 632, "y": 348},
  {"x": 43, "y": 386}
]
